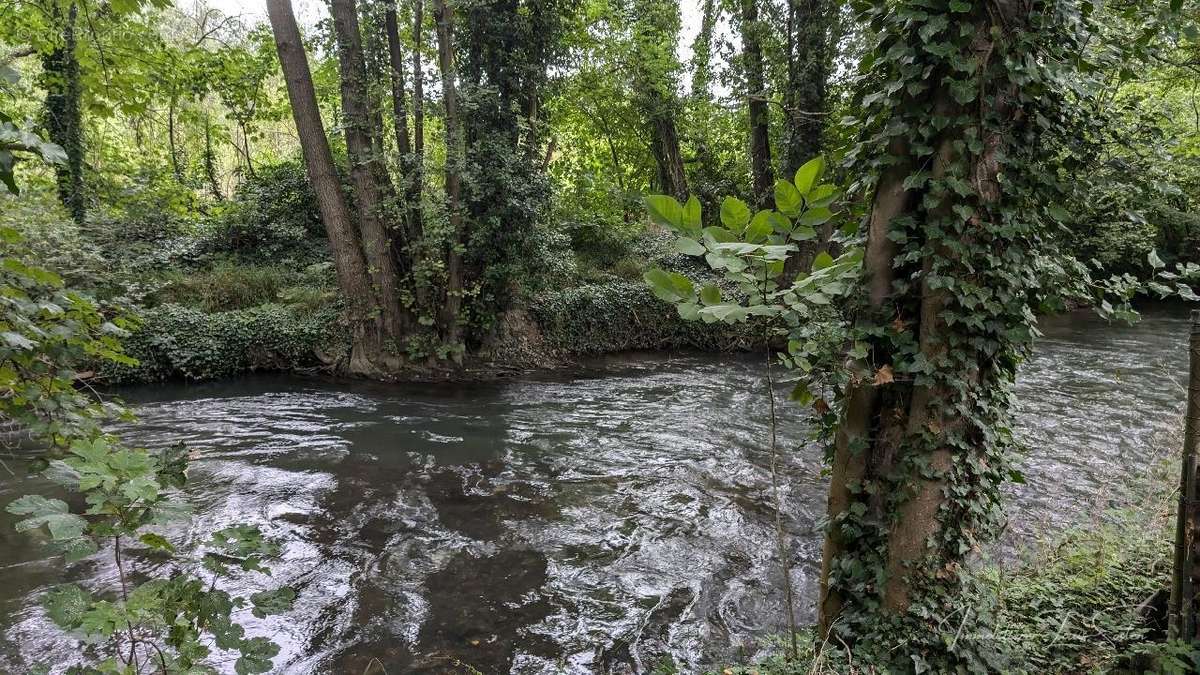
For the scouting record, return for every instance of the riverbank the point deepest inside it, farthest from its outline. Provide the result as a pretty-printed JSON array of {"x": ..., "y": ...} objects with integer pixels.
[{"x": 556, "y": 329}]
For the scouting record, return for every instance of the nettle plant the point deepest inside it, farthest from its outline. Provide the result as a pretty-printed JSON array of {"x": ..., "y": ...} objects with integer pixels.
[
  {"x": 49, "y": 335},
  {"x": 751, "y": 252}
]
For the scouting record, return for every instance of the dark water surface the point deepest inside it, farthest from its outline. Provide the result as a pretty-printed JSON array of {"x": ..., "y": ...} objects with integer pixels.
[{"x": 591, "y": 523}]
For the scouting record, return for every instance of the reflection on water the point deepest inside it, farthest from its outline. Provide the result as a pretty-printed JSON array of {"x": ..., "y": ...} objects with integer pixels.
[{"x": 597, "y": 523}]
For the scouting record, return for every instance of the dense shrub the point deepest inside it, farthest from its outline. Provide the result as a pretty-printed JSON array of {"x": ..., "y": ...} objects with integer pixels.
[
  {"x": 180, "y": 342},
  {"x": 625, "y": 315},
  {"x": 272, "y": 214}
]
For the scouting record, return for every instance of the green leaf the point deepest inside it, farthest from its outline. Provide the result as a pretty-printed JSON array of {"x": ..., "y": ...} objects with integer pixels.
[
  {"x": 807, "y": 175},
  {"x": 54, "y": 514},
  {"x": 688, "y": 246},
  {"x": 1155, "y": 261},
  {"x": 665, "y": 210},
  {"x": 710, "y": 295},
  {"x": 760, "y": 227},
  {"x": 669, "y": 286},
  {"x": 787, "y": 198},
  {"x": 735, "y": 213},
  {"x": 692, "y": 217},
  {"x": 815, "y": 217},
  {"x": 688, "y": 311},
  {"x": 256, "y": 656},
  {"x": 272, "y": 602},
  {"x": 66, "y": 605},
  {"x": 156, "y": 541},
  {"x": 822, "y": 261}
]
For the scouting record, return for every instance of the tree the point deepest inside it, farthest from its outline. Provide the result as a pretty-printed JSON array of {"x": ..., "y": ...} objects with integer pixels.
[
  {"x": 368, "y": 356},
  {"x": 761, "y": 170},
  {"x": 655, "y": 71},
  {"x": 64, "y": 115}
]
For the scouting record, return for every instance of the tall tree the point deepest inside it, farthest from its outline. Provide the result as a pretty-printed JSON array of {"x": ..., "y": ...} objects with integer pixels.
[
  {"x": 809, "y": 47},
  {"x": 762, "y": 173},
  {"x": 655, "y": 79},
  {"x": 64, "y": 113},
  {"x": 372, "y": 190},
  {"x": 400, "y": 118},
  {"x": 368, "y": 334},
  {"x": 956, "y": 131},
  {"x": 450, "y": 318}
]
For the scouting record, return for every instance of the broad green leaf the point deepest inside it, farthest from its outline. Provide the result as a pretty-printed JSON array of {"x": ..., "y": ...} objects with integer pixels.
[
  {"x": 665, "y": 210},
  {"x": 816, "y": 216},
  {"x": 822, "y": 195},
  {"x": 54, "y": 514},
  {"x": 710, "y": 295},
  {"x": 156, "y": 541},
  {"x": 808, "y": 174},
  {"x": 256, "y": 656},
  {"x": 787, "y": 198},
  {"x": 688, "y": 311},
  {"x": 735, "y": 213},
  {"x": 1155, "y": 261},
  {"x": 692, "y": 217},
  {"x": 803, "y": 233},
  {"x": 822, "y": 261},
  {"x": 720, "y": 234},
  {"x": 66, "y": 605},
  {"x": 760, "y": 227},
  {"x": 689, "y": 246}
]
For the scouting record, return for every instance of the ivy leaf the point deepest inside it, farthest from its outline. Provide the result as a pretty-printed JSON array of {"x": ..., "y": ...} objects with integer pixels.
[
  {"x": 808, "y": 174},
  {"x": 272, "y": 602}
]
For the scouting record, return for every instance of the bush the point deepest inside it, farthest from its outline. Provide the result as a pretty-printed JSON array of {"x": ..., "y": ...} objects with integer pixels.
[
  {"x": 272, "y": 214},
  {"x": 181, "y": 342},
  {"x": 625, "y": 315}
]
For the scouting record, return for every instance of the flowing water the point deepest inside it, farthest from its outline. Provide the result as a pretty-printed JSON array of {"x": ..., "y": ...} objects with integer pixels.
[{"x": 597, "y": 522}]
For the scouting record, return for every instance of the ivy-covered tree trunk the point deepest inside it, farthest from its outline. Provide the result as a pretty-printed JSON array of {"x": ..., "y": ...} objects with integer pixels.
[
  {"x": 418, "y": 105},
  {"x": 400, "y": 119},
  {"x": 452, "y": 300},
  {"x": 808, "y": 61},
  {"x": 372, "y": 194},
  {"x": 702, "y": 53},
  {"x": 923, "y": 443},
  {"x": 762, "y": 174},
  {"x": 354, "y": 281},
  {"x": 655, "y": 71},
  {"x": 63, "y": 114}
]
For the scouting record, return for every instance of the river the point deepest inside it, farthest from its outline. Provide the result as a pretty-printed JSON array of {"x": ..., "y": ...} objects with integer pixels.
[{"x": 602, "y": 521}]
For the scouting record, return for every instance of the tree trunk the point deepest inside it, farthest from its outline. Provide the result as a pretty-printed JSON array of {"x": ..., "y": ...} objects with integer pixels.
[
  {"x": 210, "y": 167},
  {"x": 175, "y": 168},
  {"x": 349, "y": 262},
  {"x": 702, "y": 53},
  {"x": 761, "y": 172},
  {"x": 418, "y": 103},
  {"x": 366, "y": 172},
  {"x": 911, "y": 454},
  {"x": 451, "y": 328},
  {"x": 808, "y": 70},
  {"x": 400, "y": 113},
  {"x": 655, "y": 32},
  {"x": 64, "y": 116}
]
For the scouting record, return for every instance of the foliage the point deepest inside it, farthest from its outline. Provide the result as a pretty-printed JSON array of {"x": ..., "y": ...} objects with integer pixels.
[
  {"x": 272, "y": 214},
  {"x": 49, "y": 332},
  {"x": 181, "y": 342}
]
